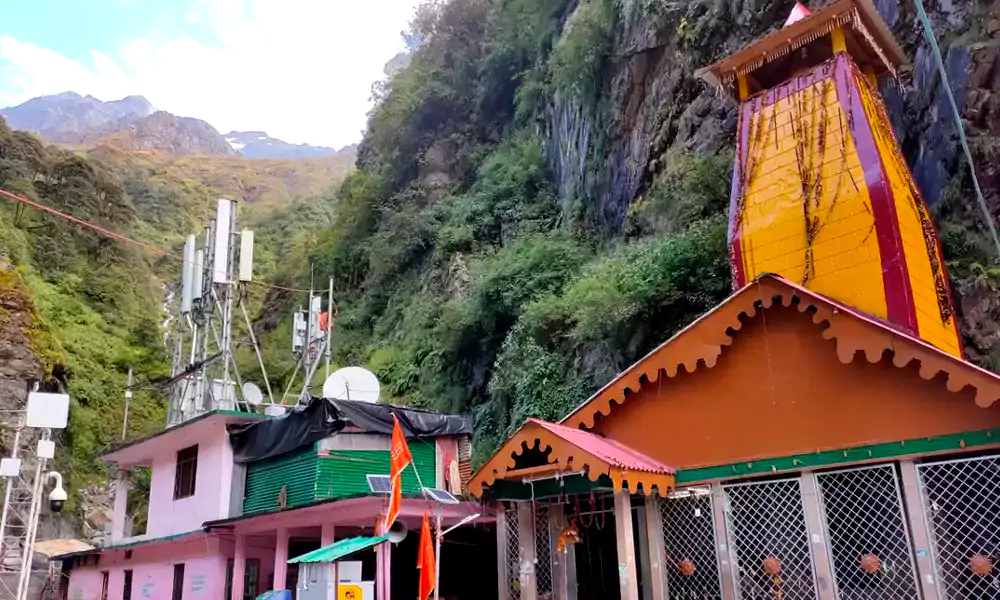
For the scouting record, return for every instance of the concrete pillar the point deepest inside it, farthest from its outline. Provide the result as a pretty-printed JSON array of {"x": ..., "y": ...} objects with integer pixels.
[
  {"x": 280, "y": 559},
  {"x": 657, "y": 587},
  {"x": 326, "y": 536},
  {"x": 526, "y": 550},
  {"x": 121, "y": 506},
  {"x": 919, "y": 530},
  {"x": 503, "y": 573},
  {"x": 723, "y": 549},
  {"x": 628, "y": 577},
  {"x": 239, "y": 566},
  {"x": 811, "y": 505}
]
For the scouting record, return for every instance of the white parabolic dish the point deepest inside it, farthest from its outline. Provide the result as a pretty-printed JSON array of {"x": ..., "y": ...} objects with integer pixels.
[
  {"x": 352, "y": 383},
  {"x": 252, "y": 393}
]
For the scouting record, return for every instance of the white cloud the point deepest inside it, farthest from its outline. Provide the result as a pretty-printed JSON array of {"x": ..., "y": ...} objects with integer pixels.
[{"x": 299, "y": 69}]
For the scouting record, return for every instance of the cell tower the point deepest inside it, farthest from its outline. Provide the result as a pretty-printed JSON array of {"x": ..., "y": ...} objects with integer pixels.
[
  {"x": 30, "y": 447},
  {"x": 214, "y": 274}
]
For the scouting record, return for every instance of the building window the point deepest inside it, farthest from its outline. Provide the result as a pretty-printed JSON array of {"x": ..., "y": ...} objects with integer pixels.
[
  {"x": 104, "y": 585},
  {"x": 251, "y": 579},
  {"x": 187, "y": 468},
  {"x": 178, "y": 593},
  {"x": 127, "y": 590}
]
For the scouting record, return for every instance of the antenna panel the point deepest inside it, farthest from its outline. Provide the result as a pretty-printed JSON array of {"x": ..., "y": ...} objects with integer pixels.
[
  {"x": 197, "y": 284},
  {"x": 246, "y": 255},
  {"x": 187, "y": 275},
  {"x": 299, "y": 331},
  {"x": 220, "y": 266},
  {"x": 49, "y": 411}
]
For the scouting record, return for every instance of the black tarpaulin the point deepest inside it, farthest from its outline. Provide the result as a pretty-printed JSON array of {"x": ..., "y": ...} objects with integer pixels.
[{"x": 322, "y": 418}]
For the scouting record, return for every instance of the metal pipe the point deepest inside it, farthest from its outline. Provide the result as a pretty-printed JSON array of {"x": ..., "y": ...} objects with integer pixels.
[{"x": 256, "y": 349}]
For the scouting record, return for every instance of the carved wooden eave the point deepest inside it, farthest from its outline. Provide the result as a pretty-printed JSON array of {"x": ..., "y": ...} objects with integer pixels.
[
  {"x": 584, "y": 451},
  {"x": 860, "y": 17},
  {"x": 700, "y": 344}
]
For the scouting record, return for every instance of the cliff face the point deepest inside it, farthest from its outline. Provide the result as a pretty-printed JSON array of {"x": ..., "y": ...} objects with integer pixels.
[
  {"x": 652, "y": 103},
  {"x": 651, "y": 107}
]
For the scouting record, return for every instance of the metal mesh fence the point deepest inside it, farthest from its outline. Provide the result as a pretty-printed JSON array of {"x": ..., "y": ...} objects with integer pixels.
[
  {"x": 691, "y": 563},
  {"x": 961, "y": 501},
  {"x": 868, "y": 540},
  {"x": 543, "y": 553},
  {"x": 513, "y": 554},
  {"x": 767, "y": 530}
]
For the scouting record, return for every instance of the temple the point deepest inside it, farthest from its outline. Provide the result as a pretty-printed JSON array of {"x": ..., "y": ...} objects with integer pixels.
[{"x": 818, "y": 435}]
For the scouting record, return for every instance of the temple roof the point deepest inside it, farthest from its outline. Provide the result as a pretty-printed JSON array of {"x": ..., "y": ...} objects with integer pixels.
[
  {"x": 700, "y": 345},
  {"x": 869, "y": 41},
  {"x": 570, "y": 450}
]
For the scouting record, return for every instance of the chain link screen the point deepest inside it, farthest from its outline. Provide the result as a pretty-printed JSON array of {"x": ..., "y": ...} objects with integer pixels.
[
  {"x": 543, "y": 553},
  {"x": 868, "y": 539},
  {"x": 513, "y": 554},
  {"x": 690, "y": 560},
  {"x": 961, "y": 501},
  {"x": 767, "y": 530}
]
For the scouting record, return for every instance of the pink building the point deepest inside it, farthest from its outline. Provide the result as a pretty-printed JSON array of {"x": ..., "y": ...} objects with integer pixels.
[{"x": 234, "y": 495}]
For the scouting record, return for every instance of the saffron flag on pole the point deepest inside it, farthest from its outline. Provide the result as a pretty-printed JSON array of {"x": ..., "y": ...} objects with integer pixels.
[
  {"x": 799, "y": 12},
  {"x": 399, "y": 457},
  {"x": 426, "y": 561}
]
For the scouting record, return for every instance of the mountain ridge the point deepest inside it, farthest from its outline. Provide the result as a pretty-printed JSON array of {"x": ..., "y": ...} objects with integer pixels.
[{"x": 133, "y": 123}]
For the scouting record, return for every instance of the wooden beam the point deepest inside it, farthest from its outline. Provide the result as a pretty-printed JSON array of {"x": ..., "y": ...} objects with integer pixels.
[
  {"x": 814, "y": 527},
  {"x": 919, "y": 531},
  {"x": 723, "y": 550},
  {"x": 627, "y": 573},
  {"x": 657, "y": 553}
]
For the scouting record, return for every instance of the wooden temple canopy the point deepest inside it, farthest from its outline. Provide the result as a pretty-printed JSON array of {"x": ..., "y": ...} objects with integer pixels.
[
  {"x": 569, "y": 450},
  {"x": 700, "y": 344},
  {"x": 765, "y": 63}
]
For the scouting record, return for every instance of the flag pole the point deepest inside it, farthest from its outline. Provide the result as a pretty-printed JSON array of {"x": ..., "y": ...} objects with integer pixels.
[{"x": 437, "y": 553}]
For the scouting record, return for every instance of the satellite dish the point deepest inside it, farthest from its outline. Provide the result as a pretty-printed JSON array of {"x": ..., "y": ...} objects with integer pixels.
[
  {"x": 252, "y": 393},
  {"x": 352, "y": 383}
]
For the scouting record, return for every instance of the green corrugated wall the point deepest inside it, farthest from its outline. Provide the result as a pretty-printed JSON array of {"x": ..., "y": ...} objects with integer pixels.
[
  {"x": 344, "y": 473},
  {"x": 295, "y": 472},
  {"x": 308, "y": 477}
]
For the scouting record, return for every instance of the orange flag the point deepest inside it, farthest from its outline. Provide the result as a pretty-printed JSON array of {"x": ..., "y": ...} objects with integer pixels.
[
  {"x": 425, "y": 561},
  {"x": 399, "y": 457}
]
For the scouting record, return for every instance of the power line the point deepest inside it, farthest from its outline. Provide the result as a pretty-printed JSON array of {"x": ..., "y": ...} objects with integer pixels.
[
  {"x": 124, "y": 238},
  {"x": 936, "y": 51}
]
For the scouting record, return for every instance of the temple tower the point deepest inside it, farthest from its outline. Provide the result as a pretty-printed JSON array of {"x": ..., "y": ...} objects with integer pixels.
[{"x": 821, "y": 194}]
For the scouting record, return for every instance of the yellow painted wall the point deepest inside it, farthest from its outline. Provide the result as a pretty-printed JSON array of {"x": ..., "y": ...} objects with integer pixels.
[
  {"x": 846, "y": 259},
  {"x": 908, "y": 206}
]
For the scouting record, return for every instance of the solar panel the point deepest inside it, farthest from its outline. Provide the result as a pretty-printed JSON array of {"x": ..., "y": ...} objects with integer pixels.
[
  {"x": 380, "y": 484},
  {"x": 439, "y": 495}
]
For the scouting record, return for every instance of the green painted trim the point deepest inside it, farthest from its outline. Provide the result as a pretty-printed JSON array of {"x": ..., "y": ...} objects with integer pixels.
[{"x": 945, "y": 443}]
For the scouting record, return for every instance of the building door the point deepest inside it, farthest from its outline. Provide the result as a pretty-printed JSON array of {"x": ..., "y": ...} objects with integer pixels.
[
  {"x": 769, "y": 542},
  {"x": 870, "y": 551},
  {"x": 961, "y": 504},
  {"x": 127, "y": 588},
  {"x": 178, "y": 587},
  {"x": 104, "y": 585}
]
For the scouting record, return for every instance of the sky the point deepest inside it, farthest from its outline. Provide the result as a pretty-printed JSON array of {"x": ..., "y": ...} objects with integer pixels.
[{"x": 301, "y": 70}]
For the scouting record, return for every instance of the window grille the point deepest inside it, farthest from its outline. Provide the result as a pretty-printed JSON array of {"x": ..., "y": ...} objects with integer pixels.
[
  {"x": 513, "y": 557},
  {"x": 766, "y": 527},
  {"x": 961, "y": 503},
  {"x": 867, "y": 533},
  {"x": 690, "y": 560},
  {"x": 543, "y": 553}
]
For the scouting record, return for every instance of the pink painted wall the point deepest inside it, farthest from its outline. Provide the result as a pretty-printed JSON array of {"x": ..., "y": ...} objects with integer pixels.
[
  {"x": 213, "y": 486},
  {"x": 153, "y": 573}
]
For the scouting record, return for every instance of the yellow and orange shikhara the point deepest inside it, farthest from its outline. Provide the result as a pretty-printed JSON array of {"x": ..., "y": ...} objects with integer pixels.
[{"x": 821, "y": 193}]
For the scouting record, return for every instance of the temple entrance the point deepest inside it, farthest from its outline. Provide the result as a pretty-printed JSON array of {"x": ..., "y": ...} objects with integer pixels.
[{"x": 597, "y": 552}]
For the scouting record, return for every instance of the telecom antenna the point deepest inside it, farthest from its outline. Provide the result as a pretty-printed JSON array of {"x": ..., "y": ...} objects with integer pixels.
[{"x": 352, "y": 383}]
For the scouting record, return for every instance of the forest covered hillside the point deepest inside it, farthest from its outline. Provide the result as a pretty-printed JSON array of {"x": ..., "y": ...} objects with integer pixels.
[
  {"x": 540, "y": 199},
  {"x": 541, "y": 193}
]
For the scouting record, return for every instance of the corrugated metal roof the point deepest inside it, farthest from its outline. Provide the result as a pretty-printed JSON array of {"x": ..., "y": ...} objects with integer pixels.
[
  {"x": 608, "y": 450},
  {"x": 338, "y": 550}
]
